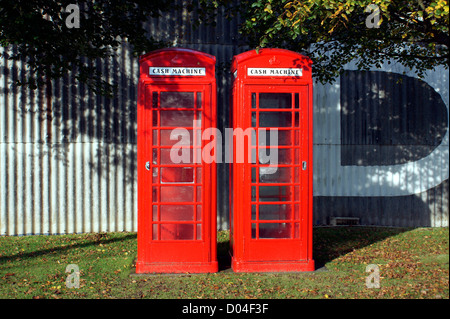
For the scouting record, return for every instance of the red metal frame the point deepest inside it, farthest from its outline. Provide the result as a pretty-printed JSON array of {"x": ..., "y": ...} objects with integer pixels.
[
  {"x": 176, "y": 201},
  {"x": 271, "y": 220}
]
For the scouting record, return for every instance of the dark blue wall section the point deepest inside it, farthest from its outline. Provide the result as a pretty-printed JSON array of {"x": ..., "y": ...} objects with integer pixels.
[{"x": 388, "y": 118}]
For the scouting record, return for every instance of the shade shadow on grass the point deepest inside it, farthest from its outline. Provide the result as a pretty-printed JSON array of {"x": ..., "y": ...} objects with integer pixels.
[
  {"x": 93, "y": 239},
  {"x": 328, "y": 242}
]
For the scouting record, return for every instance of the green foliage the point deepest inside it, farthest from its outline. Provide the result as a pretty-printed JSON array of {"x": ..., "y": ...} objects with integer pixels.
[
  {"x": 333, "y": 33},
  {"x": 40, "y": 36}
]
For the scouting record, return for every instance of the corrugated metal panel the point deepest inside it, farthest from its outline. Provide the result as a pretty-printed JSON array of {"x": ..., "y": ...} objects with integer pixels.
[
  {"x": 381, "y": 147},
  {"x": 68, "y": 159}
]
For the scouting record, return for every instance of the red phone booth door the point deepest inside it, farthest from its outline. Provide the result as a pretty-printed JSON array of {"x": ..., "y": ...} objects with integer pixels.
[
  {"x": 279, "y": 193},
  {"x": 177, "y": 185}
]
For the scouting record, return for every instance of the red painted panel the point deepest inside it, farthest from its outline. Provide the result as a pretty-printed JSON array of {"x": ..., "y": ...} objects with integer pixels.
[
  {"x": 176, "y": 188},
  {"x": 272, "y": 188}
]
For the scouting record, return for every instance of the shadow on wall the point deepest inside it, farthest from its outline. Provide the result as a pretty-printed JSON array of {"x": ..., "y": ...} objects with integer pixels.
[
  {"x": 389, "y": 119},
  {"x": 84, "y": 145},
  {"x": 65, "y": 111},
  {"x": 419, "y": 210},
  {"x": 381, "y": 124},
  {"x": 392, "y": 119},
  {"x": 381, "y": 150}
]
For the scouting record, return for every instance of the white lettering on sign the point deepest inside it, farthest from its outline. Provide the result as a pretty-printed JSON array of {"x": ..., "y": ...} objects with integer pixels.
[
  {"x": 274, "y": 72},
  {"x": 178, "y": 71}
]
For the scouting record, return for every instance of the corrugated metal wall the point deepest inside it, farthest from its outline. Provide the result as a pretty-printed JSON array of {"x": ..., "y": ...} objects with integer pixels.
[
  {"x": 381, "y": 147},
  {"x": 68, "y": 159}
]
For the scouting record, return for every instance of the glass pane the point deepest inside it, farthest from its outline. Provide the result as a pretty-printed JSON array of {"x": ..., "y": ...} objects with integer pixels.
[
  {"x": 253, "y": 193},
  {"x": 171, "y": 194},
  {"x": 199, "y": 100},
  {"x": 275, "y": 212},
  {"x": 176, "y": 155},
  {"x": 275, "y": 100},
  {"x": 177, "y": 174},
  {"x": 268, "y": 137},
  {"x": 253, "y": 231},
  {"x": 253, "y": 174},
  {"x": 275, "y": 230},
  {"x": 155, "y": 156},
  {"x": 155, "y": 232},
  {"x": 274, "y": 119},
  {"x": 297, "y": 119},
  {"x": 199, "y": 231},
  {"x": 155, "y": 175},
  {"x": 297, "y": 156},
  {"x": 274, "y": 174},
  {"x": 274, "y": 156},
  {"x": 254, "y": 119},
  {"x": 297, "y": 230},
  {"x": 155, "y": 118},
  {"x": 284, "y": 156},
  {"x": 179, "y": 137},
  {"x": 283, "y": 138},
  {"x": 296, "y": 211},
  {"x": 177, "y": 232},
  {"x": 177, "y": 99},
  {"x": 270, "y": 156},
  {"x": 274, "y": 193},
  {"x": 155, "y": 100},
  {"x": 155, "y": 138},
  {"x": 178, "y": 118},
  {"x": 296, "y": 174},
  {"x": 155, "y": 213},
  {"x": 199, "y": 213},
  {"x": 177, "y": 212},
  {"x": 297, "y": 193}
]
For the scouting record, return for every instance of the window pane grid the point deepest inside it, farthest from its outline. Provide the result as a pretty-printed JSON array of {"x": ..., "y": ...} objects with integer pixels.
[
  {"x": 172, "y": 208},
  {"x": 287, "y": 203}
]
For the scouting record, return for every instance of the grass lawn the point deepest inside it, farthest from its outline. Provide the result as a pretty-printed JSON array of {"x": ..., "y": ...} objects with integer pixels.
[{"x": 413, "y": 263}]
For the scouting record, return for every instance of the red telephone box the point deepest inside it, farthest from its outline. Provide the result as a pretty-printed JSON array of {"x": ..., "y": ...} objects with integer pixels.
[
  {"x": 271, "y": 201},
  {"x": 176, "y": 188}
]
